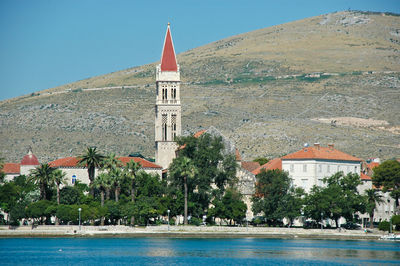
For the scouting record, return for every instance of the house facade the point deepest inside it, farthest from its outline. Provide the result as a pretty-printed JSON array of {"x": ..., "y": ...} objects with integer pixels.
[{"x": 310, "y": 165}]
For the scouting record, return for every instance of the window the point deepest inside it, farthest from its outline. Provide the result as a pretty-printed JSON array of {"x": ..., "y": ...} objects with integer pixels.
[
  {"x": 355, "y": 169},
  {"x": 320, "y": 168},
  {"x": 173, "y": 92},
  {"x": 164, "y": 127},
  {"x": 173, "y": 125},
  {"x": 164, "y": 92},
  {"x": 304, "y": 168},
  {"x": 328, "y": 168},
  {"x": 292, "y": 168},
  {"x": 73, "y": 179}
]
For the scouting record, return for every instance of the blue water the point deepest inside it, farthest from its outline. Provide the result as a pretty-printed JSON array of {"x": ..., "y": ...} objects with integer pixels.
[{"x": 171, "y": 251}]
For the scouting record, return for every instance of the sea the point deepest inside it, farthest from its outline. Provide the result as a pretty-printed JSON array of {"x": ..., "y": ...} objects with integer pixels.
[{"x": 195, "y": 251}]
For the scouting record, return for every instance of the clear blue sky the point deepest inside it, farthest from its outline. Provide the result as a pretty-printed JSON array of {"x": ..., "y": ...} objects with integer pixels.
[{"x": 46, "y": 43}]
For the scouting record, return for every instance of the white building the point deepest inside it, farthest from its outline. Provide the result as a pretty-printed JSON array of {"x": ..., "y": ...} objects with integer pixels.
[{"x": 310, "y": 165}]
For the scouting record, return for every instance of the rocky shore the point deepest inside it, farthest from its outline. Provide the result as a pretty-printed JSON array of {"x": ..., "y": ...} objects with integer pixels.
[{"x": 187, "y": 232}]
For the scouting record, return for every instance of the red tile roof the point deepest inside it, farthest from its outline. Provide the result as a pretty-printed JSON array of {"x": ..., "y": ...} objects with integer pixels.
[
  {"x": 250, "y": 166},
  {"x": 65, "y": 162},
  {"x": 271, "y": 165},
  {"x": 11, "y": 168},
  {"x": 144, "y": 163},
  {"x": 324, "y": 153},
  {"x": 168, "y": 59},
  {"x": 199, "y": 133},
  {"x": 74, "y": 162},
  {"x": 365, "y": 177},
  {"x": 372, "y": 165}
]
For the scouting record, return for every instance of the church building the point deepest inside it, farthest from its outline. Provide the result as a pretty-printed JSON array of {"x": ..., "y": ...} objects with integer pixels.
[{"x": 168, "y": 104}]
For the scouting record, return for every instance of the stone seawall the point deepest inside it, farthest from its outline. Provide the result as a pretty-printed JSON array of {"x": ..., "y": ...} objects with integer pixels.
[{"x": 184, "y": 232}]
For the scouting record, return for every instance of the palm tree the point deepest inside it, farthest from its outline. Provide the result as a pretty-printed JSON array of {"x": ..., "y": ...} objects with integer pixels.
[
  {"x": 372, "y": 199},
  {"x": 130, "y": 171},
  {"x": 184, "y": 168},
  {"x": 92, "y": 160},
  {"x": 58, "y": 178},
  {"x": 116, "y": 177},
  {"x": 42, "y": 176},
  {"x": 101, "y": 182},
  {"x": 111, "y": 162}
]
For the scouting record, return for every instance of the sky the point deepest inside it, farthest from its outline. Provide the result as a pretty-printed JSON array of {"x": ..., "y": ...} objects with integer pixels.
[{"x": 46, "y": 43}]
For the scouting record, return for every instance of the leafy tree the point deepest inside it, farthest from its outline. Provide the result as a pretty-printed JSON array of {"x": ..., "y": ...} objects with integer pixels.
[
  {"x": 183, "y": 168},
  {"x": 230, "y": 206},
  {"x": 150, "y": 195},
  {"x": 214, "y": 165},
  {"x": 113, "y": 211},
  {"x": 340, "y": 198},
  {"x": 316, "y": 204},
  {"x": 40, "y": 210},
  {"x": 272, "y": 187},
  {"x": 387, "y": 177},
  {"x": 396, "y": 222},
  {"x": 42, "y": 176},
  {"x": 373, "y": 197},
  {"x": 2, "y": 174},
  {"x": 92, "y": 160},
  {"x": 15, "y": 195},
  {"x": 70, "y": 195},
  {"x": 261, "y": 160},
  {"x": 292, "y": 204}
]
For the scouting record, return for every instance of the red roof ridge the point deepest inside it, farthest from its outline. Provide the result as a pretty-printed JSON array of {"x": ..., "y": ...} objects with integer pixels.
[
  {"x": 11, "y": 168},
  {"x": 168, "y": 58},
  {"x": 271, "y": 165},
  {"x": 324, "y": 153},
  {"x": 365, "y": 177},
  {"x": 143, "y": 162}
]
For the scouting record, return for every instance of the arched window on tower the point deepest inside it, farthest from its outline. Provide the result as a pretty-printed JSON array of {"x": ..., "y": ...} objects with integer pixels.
[
  {"x": 164, "y": 93},
  {"x": 173, "y": 125},
  {"x": 173, "y": 93},
  {"x": 164, "y": 127}
]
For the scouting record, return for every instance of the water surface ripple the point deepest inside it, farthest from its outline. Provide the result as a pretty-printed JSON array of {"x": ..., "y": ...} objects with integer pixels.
[{"x": 173, "y": 251}]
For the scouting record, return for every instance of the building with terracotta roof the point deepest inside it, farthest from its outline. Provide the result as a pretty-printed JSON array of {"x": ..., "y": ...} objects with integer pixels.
[
  {"x": 168, "y": 104},
  {"x": 384, "y": 210},
  {"x": 74, "y": 171},
  {"x": 28, "y": 162},
  {"x": 308, "y": 166}
]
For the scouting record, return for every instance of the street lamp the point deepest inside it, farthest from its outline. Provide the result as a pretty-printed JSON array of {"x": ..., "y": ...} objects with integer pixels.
[
  {"x": 322, "y": 221},
  {"x": 80, "y": 209},
  {"x": 168, "y": 218}
]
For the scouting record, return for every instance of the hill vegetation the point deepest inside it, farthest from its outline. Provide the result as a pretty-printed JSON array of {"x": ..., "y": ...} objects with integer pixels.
[{"x": 270, "y": 91}]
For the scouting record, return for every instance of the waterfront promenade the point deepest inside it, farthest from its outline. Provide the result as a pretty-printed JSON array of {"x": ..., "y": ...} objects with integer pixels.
[{"x": 185, "y": 232}]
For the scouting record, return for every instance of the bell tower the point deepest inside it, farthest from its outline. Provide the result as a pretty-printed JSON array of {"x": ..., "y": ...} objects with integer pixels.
[{"x": 168, "y": 104}]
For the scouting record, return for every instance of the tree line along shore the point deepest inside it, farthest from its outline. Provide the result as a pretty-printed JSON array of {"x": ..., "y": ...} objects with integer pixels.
[{"x": 201, "y": 188}]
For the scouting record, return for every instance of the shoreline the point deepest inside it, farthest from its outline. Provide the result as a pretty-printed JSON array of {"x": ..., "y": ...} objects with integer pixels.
[{"x": 185, "y": 232}]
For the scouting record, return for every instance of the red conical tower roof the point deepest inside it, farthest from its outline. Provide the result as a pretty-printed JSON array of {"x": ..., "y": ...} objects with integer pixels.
[{"x": 168, "y": 59}]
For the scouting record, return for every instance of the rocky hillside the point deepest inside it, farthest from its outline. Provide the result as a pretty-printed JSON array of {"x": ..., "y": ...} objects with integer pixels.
[{"x": 333, "y": 78}]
